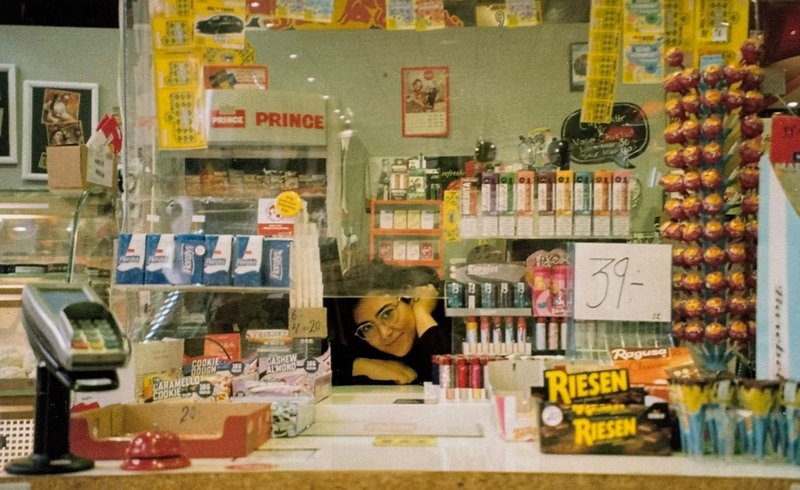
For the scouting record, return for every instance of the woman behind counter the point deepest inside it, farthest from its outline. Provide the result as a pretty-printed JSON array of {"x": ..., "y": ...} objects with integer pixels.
[{"x": 391, "y": 328}]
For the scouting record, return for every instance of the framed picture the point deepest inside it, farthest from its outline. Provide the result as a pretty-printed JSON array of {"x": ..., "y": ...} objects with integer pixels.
[
  {"x": 54, "y": 114},
  {"x": 578, "y": 65},
  {"x": 426, "y": 101},
  {"x": 8, "y": 114}
]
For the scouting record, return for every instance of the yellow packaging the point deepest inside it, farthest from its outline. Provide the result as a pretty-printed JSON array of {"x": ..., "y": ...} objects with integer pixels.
[
  {"x": 219, "y": 23},
  {"x": 172, "y": 33},
  {"x": 720, "y": 28}
]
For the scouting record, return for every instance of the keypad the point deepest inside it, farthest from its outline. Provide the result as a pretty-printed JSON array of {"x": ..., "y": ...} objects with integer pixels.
[{"x": 94, "y": 335}]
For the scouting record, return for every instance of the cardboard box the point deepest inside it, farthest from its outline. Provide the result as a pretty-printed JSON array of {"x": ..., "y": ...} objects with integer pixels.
[
  {"x": 207, "y": 430},
  {"x": 71, "y": 169}
]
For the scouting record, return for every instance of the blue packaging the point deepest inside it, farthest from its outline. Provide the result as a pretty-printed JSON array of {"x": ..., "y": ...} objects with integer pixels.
[
  {"x": 247, "y": 261},
  {"x": 189, "y": 255},
  {"x": 217, "y": 262},
  {"x": 277, "y": 256},
  {"x": 130, "y": 258},
  {"x": 159, "y": 257}
]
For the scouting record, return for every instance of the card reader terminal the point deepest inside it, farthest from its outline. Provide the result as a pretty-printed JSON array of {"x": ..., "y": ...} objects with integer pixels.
[{"x": 70, "y": 328}]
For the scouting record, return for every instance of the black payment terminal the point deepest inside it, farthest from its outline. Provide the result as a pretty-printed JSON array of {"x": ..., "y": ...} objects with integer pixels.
[{"x": 78, "y": 346}]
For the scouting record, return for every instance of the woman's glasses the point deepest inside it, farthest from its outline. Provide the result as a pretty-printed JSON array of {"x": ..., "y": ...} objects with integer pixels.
[{"x": 386, "y": 316}]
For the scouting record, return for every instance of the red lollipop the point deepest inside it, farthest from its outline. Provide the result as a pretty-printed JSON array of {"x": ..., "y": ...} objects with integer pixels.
[
  {"x": 690, "y": 103},
  {"x": 734, "y": 99},
  {"x": 690, "y": 78},
  {"x": 674, "y": 208},
  {"x": 737, "y": 305},
  {"x": 673, "y": 159},
  {"x": 716, "y": 332},
  {"x": 691, "y": 156},
  {"x": 671, "y": 182},
  {"x": 712, "y": 127},
  {"x": 714, "y": 256},
  {"x": 712, "y": 99},
  {"x": 753, "y": 76},
  {"x": 691, "y": 230},
  {"x": 677, "y": 257},
  {"x": 713, "y": 204},
  {"x": 712, "y": 153},
  {"x": 737, "y": 281},
  {"x": 751, "y": 229},
  {"x": 736, "y": 252},
  {"x": 691, "y": 180},
  {"x": 673, "y": 134},
  {"x": 690, "y": 130},
  {"x": 677, "y": 279},
  {"x": 677, "y": 308},
  {"x": 735, "y": 229},
  {"x": 712, "y": 75},
  {"x": 750, "y": 152},
  {"x": 694, "y": 330},
  {"x": 748, "y": 177},
  {"x": 733, "y": 74},
  {"x": 752, "y": 50},
  {"x": 710, "y": 177},
  {"x": 673, "y": 82},
  {"x": 678, "y": 329},
  {"x": 713, "y": 230},
  {"x": 714, "y": 306},
  {"x": 754, "y": 102},
  {"x": 738, "y": 331},
  {"x": 692, "y": 256},
  {"x": 715, "y": 281},
  {"x": 751, "y": 126},
  {"x": 750, "y": 204},
  {"x": 674, "y": 109},
  {"x": 674, "y": 57},
  {"x": 693, "y": 307},
  {"x": 691, "y": 207}
]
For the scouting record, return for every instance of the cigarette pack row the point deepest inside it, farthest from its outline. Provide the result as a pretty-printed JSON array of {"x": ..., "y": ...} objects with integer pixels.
[{"x": 529, "y": 203}]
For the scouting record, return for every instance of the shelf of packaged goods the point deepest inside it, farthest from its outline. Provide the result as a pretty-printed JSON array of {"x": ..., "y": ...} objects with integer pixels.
[
  {"x": 405, "y": 232},
  {"x": 406, "y": 202},
  {"x": 197, "y": 288},
  {"x": 437, "y": 264}
]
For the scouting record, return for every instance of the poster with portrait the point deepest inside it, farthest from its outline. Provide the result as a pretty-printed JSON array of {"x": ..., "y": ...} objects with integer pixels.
[
  {"x": 54, "y": 114},
  {"x": 8, "y": 114},
  {"x": 578, "y": 65},
  {"x": 426, "y": 101}
]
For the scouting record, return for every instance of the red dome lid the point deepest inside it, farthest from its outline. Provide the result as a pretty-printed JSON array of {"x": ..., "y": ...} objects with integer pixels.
[{"x": 155, "y": 450}]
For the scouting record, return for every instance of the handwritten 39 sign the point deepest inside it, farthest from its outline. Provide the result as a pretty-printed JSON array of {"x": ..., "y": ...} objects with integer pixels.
[{"x": 623, "y": 282}]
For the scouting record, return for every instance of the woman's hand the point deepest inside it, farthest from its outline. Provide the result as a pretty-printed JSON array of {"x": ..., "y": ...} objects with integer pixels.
[
  {"x": 384, "y": 370},
  {"x": 423, "y": 303}
]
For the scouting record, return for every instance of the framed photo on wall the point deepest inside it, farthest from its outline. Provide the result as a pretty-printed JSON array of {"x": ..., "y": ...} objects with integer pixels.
[
  {"x": 426, "y": 101},
  {"x": 54, "y": 114},
  {"x": 578, "y": 65},
  {"x": 8, "y": 114}
]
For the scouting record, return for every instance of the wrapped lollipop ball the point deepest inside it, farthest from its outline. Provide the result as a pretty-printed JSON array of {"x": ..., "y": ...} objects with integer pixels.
[
  {"x": 712, "y": 127},
  {"x": 751, "y": 126},
  {"x": 751, "y": 50},
  {"x": 693, "y": 307},
  {"x": 673, "y": 134},
  {"x": 715, "y": 281},
  {"x": 690, "y": 129},
  {"x": 690, "y": 103},
  {"x": 750, "y": 152},
  {"x": 748, "y": 177},
  {"x": 751, "y": 279},
  {"x": 690, "y": 78},
  {"x": 713, "y": 204},
  {"x": 674, "y": 109},
  {"x": 738, "y": 331},
  {"x": 691, "y": 180},
  {"x": 737, "y": 281},
  {"x": 734, "y": 99},
  {"x": 692, "y": 156},
  {"x": 754, "y": 102},
  {"x": 712, "y": 75},
  {"x": 673, "y": 158},
  {"x": 692, "y": 231},
  {"x": 753, "y": 76},
  {"x": 736, "y": 253},
  {"x": 751, "y": 229},
  {"x": 673, "y": 83},
  {"x": 671, "y": 230},
  {"x": 677, "y": 308},
  {"x": 712, "y": 153},
  {"x": 713, "y": 230},
  {"x": 678, "y": 329},
  {"x": 737, "y": 305},
  {"x": 674, "y": 208},
  {"x": 714, "y": 256},
  {"x": 692, "y": 256},
  {"x": 733, "y": 74},
  {"x": 752, "y": 301},
  {"x": 714, "y": 307},
  {"x": 672, "y": 182},
  {"x": 750, "y": 204},
  {"x": 692, "y": 281},
  {"x": 694, "y": 330},
  {"x": 674, "y": 57},
  {"x": 677, "y": 281},
  {"x": 716, "y": 332},
  {"x": 712, "y": 99},
  {"x": 735, "y": 228},
  {"x": 691, "y": 207},
  {"x": 677, "y": 255}
]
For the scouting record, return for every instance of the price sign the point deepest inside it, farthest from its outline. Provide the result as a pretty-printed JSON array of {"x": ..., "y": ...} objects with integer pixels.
[
  {"x": 308, "y": 323},
  {"x": 623, "y": 282}
]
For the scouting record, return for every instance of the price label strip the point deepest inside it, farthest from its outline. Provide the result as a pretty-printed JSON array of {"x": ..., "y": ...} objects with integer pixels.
[
  {"x": 308, "y": 322},
  {"x": 623, "y": 282},
  {"x": 405, "y": 440}
]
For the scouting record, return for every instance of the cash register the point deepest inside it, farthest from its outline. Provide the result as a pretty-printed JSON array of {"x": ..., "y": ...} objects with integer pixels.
[{"x": 78, "y": 346}]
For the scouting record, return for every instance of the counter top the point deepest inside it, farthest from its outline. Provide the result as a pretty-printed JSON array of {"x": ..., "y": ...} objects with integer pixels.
[{"x": 441, "y": 445}]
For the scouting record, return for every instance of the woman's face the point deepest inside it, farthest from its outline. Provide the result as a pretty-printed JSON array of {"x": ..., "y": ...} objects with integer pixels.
[{"x": 386, "y": 323}]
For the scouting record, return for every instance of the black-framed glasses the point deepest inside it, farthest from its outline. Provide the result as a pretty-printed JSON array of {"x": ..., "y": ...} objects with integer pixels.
[{"x": 386, "y": 316}]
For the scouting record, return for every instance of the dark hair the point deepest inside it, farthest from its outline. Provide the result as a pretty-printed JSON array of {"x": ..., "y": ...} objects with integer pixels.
[{"x": 373, "y": 278}]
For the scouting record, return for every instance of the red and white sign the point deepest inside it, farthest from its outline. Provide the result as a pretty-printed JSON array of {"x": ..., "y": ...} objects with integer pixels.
[
  {"x": 266, "y": 117},
  {"x": 270, "y": 222}
]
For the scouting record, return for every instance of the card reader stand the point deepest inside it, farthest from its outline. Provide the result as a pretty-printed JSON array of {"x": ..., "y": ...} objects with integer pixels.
[{"x": 53, "y": 317}]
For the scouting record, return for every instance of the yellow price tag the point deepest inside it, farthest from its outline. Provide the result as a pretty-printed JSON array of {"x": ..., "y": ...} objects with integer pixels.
[
  {"x": 406, "y": 440},
  {"x": 288, "y": 204}
]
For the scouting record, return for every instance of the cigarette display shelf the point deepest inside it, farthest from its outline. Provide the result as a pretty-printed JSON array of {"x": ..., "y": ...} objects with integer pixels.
[
  {"x": 465, "y": 312},
  {"x": 198, "y": 288},
  {"x": 407, "y": 232}
]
